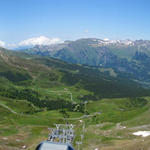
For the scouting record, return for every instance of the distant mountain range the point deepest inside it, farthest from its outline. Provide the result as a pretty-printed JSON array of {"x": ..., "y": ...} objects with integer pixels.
[
  {"x": 121, "y": 48},
  {"x": 130, "y": 59}
]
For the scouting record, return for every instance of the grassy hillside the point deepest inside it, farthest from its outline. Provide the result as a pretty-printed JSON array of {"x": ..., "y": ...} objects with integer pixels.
[
  {"x": 109, "y": 124},
  {"x": 40, "y": 78},
  {"x": 37, "y": 92}
]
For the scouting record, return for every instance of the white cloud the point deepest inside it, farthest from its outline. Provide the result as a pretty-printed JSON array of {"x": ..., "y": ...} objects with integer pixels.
[
  {"x": 106, "y": 39},
  {"x": 2, "y": 44},
  {"x": 42, "y": 40}
]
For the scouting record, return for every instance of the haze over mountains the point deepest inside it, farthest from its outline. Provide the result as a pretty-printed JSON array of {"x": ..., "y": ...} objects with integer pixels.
[{"x": 127, "y": 58}]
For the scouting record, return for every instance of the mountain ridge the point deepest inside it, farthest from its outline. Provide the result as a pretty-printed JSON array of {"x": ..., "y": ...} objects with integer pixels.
[{"x": 118, "y": 55}]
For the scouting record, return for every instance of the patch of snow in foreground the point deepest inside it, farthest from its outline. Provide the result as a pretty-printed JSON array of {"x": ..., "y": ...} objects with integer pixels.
[{"x": 142, "y": 133}]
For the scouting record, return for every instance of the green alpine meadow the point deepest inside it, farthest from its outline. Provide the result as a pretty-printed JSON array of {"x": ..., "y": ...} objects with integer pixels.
[
  {"x": 74, "y": 75},
  {"x": 37, "y": 92}
]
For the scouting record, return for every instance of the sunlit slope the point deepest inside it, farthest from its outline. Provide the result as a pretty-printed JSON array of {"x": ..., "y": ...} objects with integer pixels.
[
  {"x": 37, "y": 92},
  {"x": 108, "y": 124}
]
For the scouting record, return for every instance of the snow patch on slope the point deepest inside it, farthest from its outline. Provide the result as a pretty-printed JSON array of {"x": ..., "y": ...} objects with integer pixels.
[{"x": 142, "y": 133}]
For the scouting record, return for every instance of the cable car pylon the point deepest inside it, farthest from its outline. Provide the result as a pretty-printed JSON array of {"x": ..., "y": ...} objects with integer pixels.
[{"x": 60, "y": 138}]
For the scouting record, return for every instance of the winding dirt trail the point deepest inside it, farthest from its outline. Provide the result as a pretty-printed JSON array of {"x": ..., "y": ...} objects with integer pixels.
[{"x": 8, "y": 108}]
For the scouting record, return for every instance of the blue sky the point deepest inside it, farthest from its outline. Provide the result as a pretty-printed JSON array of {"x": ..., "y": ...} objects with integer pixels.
[{"x": 72, "y": 19}]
